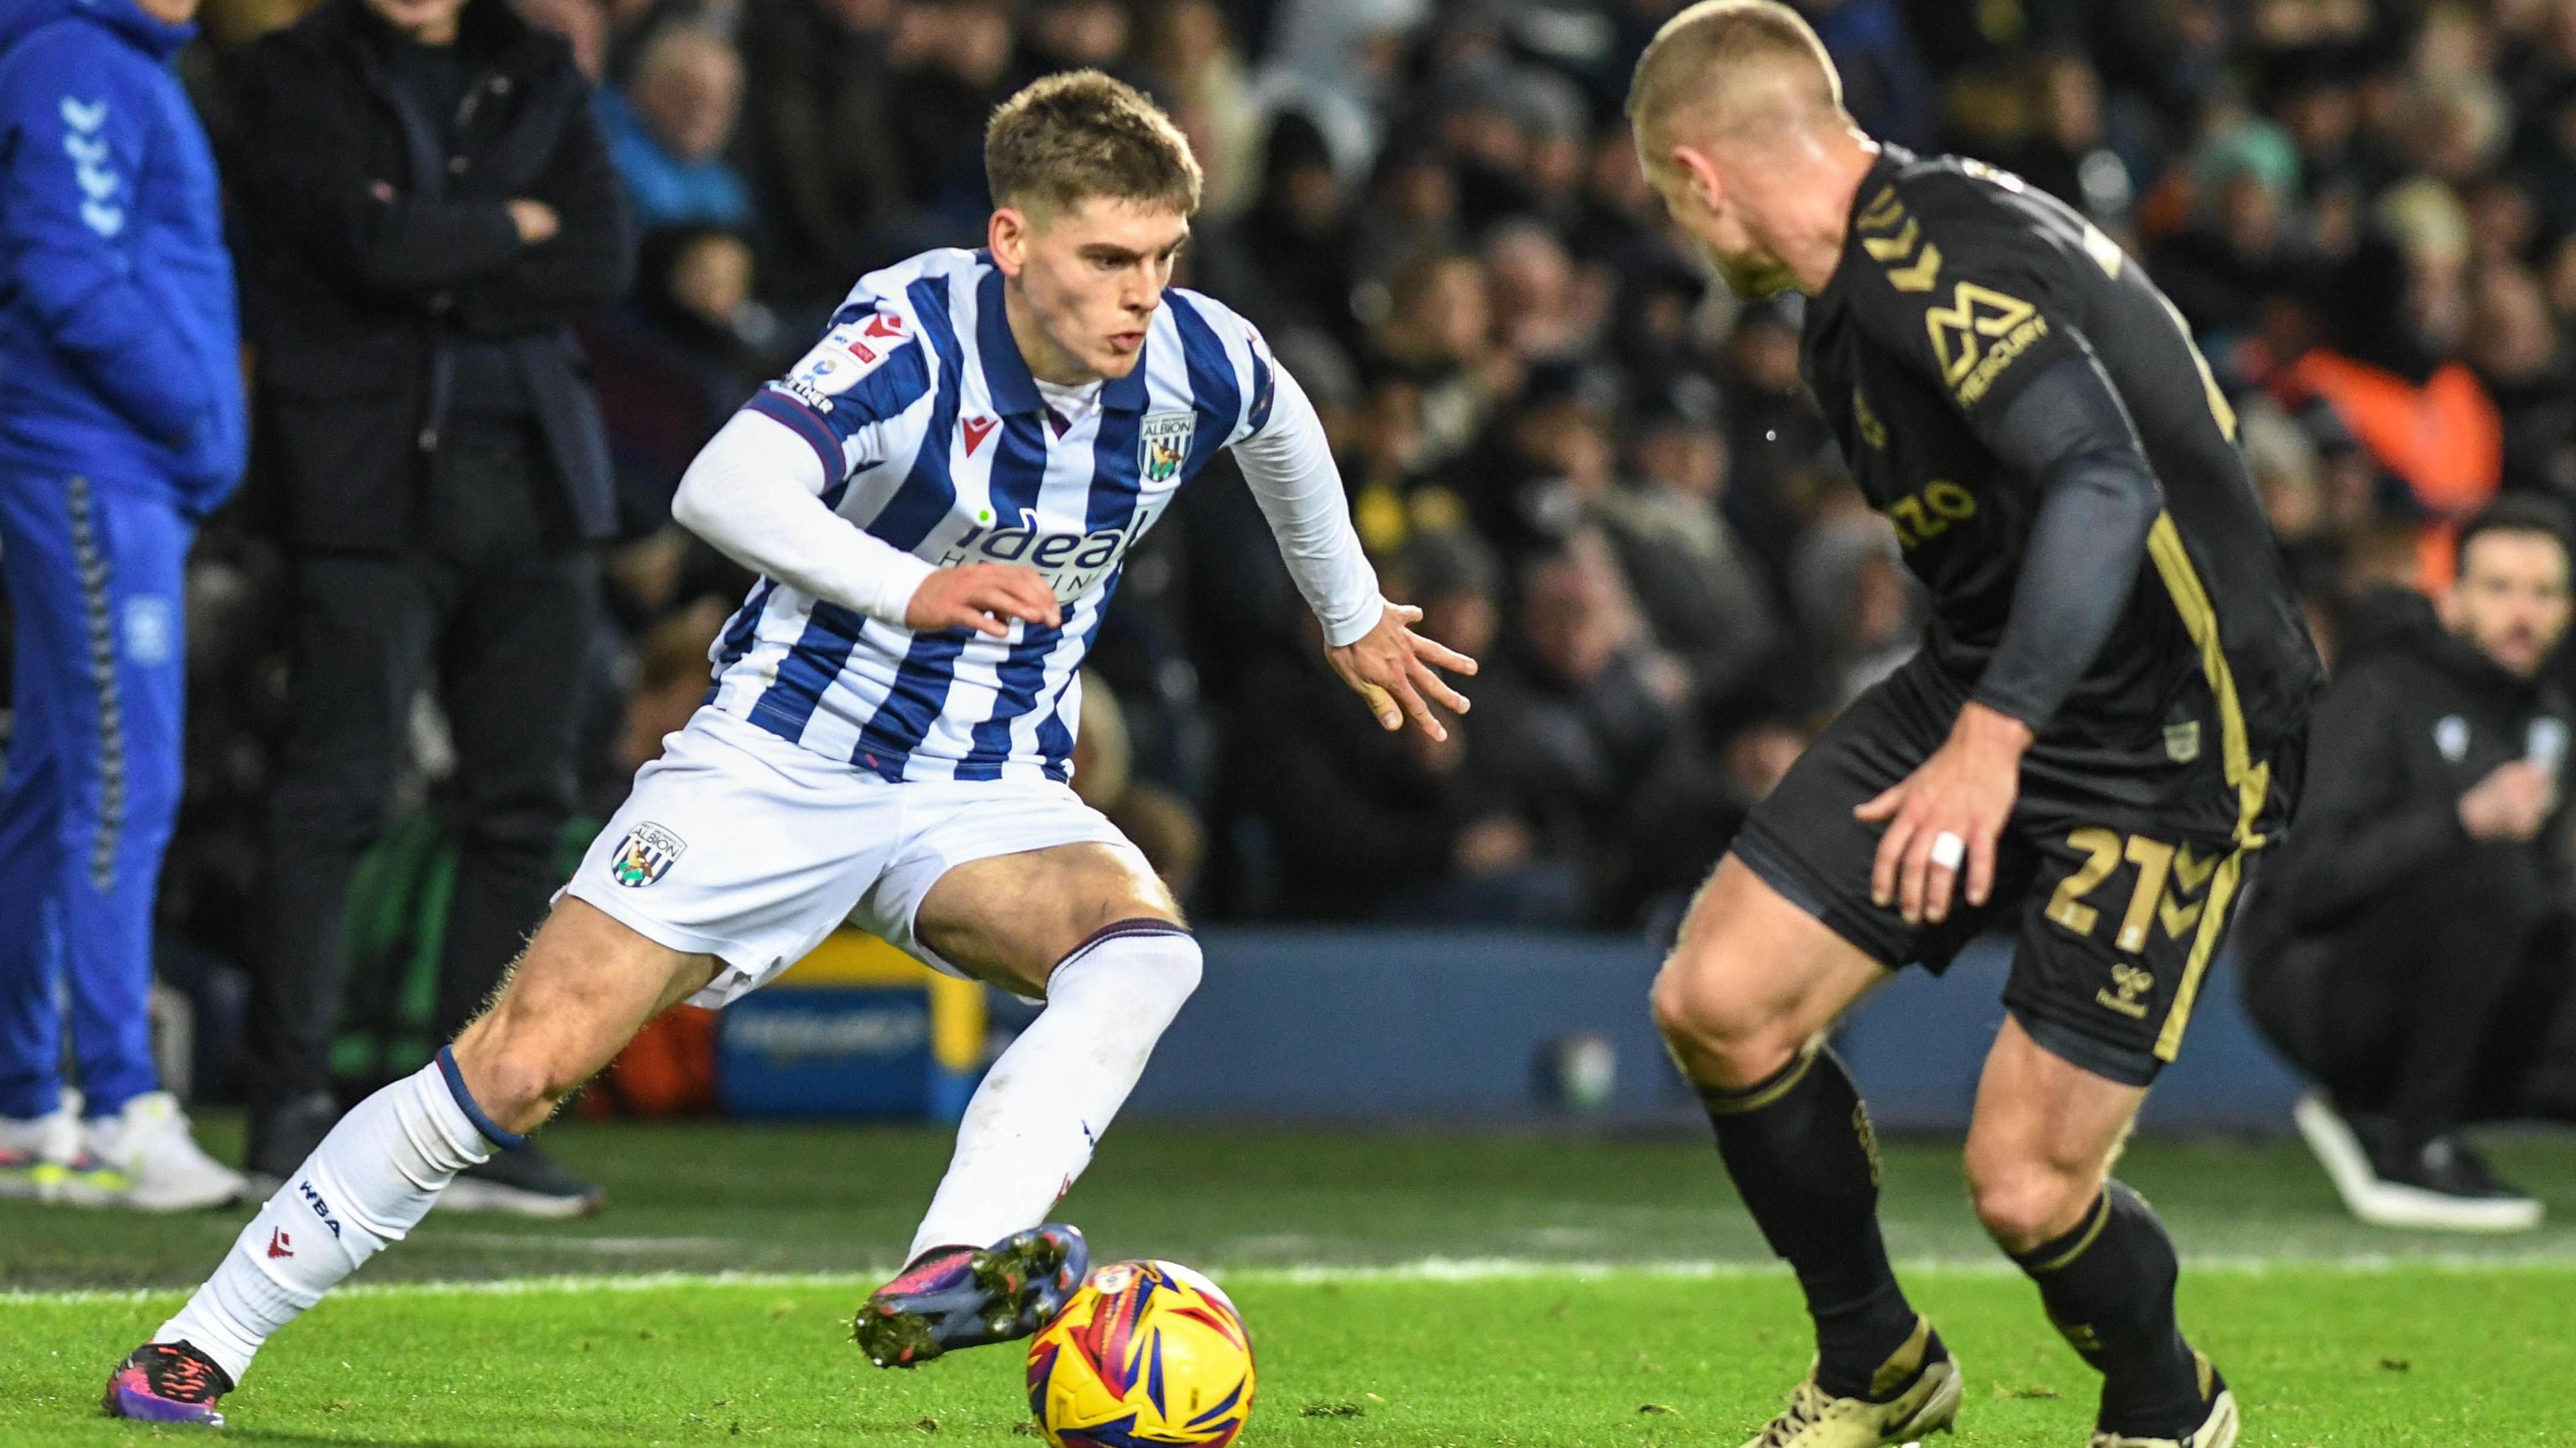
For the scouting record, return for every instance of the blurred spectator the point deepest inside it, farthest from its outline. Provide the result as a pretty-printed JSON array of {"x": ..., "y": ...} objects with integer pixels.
[
  {"x": 1687, "y": 819},
  {"x": 1546, "y": 310},
  {"x": 2066, "y": 150},
  {"x": 1884, "y": 84},
  {"x": 676, "y": 361},
  {"x": 1286, "y": 262},
  {"x": 1591, "y": 698},
  {"x": 1857, "y": 606},
  {"x": 670, "y": 684},
  {"x": 121, "y": 427},
  {"x": 1775, "y": 435},
  {"x": 1357, "y": 823},
  {"x": 2393, "y": 376},
  {"x": 425, "y": 205},
  {"x": 2515, "y": 348},
  {"x": 1193, "y": 67},
  {"x": 1541, "y": 467},
  {"x": 2366, "y": 213},
  {"x": 2237, "y": 250},
  {"x": 2415, "y": 946},
  {"x": 1438, "y": 334},
  {"x": 1059, "y": 35},
  {"x": 1156, "y": 818},
  {"x": 819, "y": 144},
  {"x": 582, "y": 23},
  {"x": 1702, "y": 594},
  {"x": 695, "y": 289},
  {"x": 1513, "y": 138},
  {"x": 1410, "y": 213},
  {"x": 952, "y": 66},
  {"x": 1336, "y": 62},
  {"x": 669, "y": 131}
]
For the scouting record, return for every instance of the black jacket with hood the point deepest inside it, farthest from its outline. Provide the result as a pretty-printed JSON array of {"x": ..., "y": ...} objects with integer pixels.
[{"x": 2414, "y": 718}]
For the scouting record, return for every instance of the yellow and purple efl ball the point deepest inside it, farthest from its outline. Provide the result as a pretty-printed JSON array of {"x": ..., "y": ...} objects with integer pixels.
[{"x": 1146, "y": 1353}]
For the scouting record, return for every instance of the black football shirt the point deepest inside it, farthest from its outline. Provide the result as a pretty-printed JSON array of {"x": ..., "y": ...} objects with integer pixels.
[{"x": 1957, "y": 286}]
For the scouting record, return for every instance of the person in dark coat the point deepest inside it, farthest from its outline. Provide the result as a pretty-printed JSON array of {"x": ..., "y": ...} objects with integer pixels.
[
  {"x": 825, "y": 177},
  {"x": 2412, "y": 948},
  {"x": 425, "y": 205}
]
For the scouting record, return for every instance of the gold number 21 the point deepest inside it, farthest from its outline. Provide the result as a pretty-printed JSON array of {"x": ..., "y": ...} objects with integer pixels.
[{"x": 2104, "y": 849}]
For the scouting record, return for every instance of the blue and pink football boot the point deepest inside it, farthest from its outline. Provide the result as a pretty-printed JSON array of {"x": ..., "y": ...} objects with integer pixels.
[
  {"x": 953, "y": 1297},
  {"x": 167, "y": 1382}
]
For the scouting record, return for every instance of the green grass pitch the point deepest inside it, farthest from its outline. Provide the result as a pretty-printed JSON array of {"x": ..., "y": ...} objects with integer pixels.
[{"x": 1409, "y": 1290}]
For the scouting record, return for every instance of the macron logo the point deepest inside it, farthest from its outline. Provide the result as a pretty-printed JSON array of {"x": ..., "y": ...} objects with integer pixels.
[
  {"x": 280, "y": 1244},
  {"x": 976, "y": 429}
]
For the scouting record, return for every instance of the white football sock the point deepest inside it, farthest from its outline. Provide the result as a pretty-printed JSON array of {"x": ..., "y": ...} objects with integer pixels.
[
  {"x": 369, "y": 1183},
  {"x": 1031, "y": 1127}
]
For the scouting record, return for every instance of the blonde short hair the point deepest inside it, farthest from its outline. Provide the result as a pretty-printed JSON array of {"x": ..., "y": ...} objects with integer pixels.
[
  {"x": 1705, "y": 58},
  {"x": 1068, "y": 137}
]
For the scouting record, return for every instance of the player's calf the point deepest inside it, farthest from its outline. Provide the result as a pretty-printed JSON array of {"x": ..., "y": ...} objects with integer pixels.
[
  {"x": 585, "y": 986},
  {"x": 1091, "y": 927},
  {"x": 2038, "y": 1160},
  {"x": 1743, "y": 1003}
]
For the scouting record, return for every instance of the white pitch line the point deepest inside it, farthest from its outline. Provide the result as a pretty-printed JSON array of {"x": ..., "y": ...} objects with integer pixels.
[{"x": 1429, "y": 1269}]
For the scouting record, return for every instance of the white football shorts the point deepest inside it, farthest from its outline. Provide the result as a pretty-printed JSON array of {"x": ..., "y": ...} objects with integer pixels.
[{"x": 740, "y": 845}]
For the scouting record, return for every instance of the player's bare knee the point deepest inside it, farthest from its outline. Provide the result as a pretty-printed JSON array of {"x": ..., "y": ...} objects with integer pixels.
[
  {"x": 1721, "y": 1035},
  {"x": 2025, "y": 1202}
]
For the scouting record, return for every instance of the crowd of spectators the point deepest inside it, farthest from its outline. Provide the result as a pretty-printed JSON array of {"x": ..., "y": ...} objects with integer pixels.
[{"x": 1590, "y": 465}]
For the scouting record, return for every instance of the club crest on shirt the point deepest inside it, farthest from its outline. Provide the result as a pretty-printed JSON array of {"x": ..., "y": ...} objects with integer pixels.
[
  {"x": 645, "y": 855},
  {"x": 1163, "y": 442},
  {"x": 2451, "y": 736}
]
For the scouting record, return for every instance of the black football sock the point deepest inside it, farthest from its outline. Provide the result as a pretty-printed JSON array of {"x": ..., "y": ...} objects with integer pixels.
[
  {"x": 2108, "y": 1285},
  {"x": 1799, "y": 1148}
]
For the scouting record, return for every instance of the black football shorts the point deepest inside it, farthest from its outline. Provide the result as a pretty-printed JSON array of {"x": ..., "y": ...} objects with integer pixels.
[{"x": 2116, "y": 893}]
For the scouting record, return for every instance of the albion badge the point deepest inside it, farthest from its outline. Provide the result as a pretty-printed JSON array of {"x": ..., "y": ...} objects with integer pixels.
[
  {"x": 1163, "y": 443},
  {"x": 645, "y": 855}
]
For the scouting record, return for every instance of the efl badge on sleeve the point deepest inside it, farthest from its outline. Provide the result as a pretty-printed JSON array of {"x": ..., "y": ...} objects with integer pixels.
[
  {"x": 847, "y": 353},
  {"x": 645, "y": 855},
  {"x": 1163, "y": 443}
]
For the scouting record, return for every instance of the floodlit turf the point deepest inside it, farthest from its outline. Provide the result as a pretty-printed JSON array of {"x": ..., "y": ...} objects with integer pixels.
[
  {"x": 2321, "y": 1355},
  {"x": 2347, "y": 1336}
]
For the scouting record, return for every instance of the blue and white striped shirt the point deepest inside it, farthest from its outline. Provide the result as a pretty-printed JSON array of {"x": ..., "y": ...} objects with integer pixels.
[{"x": 935, "y": 440}]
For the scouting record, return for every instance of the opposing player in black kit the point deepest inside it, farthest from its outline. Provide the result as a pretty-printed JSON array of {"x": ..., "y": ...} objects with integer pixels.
[{"x": 2103, "y": 727}]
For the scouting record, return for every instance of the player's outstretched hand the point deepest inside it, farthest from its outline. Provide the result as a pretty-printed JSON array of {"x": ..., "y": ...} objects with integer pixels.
[
  {"x": 1965, "y": 791},
  {"x": 1391, "y": 665},
  {"x": 986, "y": 597}
]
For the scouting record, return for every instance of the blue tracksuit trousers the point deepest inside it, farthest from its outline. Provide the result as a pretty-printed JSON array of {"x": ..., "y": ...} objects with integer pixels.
[{"x": 94, "y": 571}]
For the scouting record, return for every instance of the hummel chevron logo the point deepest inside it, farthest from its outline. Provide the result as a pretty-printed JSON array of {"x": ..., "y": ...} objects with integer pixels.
[
  {"x": 90, "y": 154},
  {"x": 976, "y": 429},
  {"x": 280, "y": 1244}
]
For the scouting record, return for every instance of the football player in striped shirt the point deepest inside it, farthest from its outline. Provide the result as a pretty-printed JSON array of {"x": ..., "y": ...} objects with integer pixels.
[{"x": 937, "y": 499}]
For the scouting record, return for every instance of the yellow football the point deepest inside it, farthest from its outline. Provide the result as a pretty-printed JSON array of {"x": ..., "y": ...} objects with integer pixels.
[{"x": 1146, "y": 1353}]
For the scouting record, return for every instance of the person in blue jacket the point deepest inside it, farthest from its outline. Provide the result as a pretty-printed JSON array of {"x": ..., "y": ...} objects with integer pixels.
[{"x": 121, "y": 425}]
